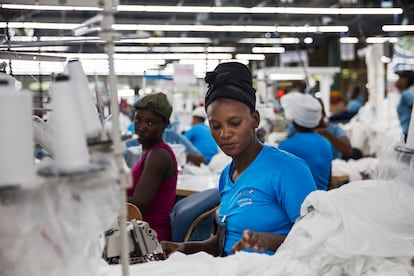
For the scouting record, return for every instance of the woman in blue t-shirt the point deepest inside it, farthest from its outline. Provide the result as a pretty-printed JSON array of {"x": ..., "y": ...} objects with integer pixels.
[{"x": 262, "y": 189}]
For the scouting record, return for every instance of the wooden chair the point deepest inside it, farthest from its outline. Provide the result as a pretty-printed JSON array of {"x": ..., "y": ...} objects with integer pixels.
[
  {"x": 197, "y": 221},
  {"x": 133, "y": 212}
]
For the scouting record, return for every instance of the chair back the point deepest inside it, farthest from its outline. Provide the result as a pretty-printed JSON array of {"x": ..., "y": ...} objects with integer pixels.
[
  {"x": 133, "y": 212},
  {"x": 192, "y": 218}
]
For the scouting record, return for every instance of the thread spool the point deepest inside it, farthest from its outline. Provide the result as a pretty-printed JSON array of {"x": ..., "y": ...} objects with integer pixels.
[
  {"x": 90, "y": 117},
  {"x": 16, "y": 139},
  {"x": 71, "y": 151}
]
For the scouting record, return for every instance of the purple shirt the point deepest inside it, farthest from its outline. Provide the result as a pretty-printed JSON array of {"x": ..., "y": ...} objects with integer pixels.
[{"x": 158, "y": 214}]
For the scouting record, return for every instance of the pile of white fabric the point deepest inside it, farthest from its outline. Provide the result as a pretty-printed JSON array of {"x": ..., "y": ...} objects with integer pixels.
[
  {"x": 363, "y": 228},
  {"x": 366, "y": 129}
]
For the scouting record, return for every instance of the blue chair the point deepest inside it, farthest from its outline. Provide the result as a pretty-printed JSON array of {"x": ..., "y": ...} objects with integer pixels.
[{"x": 193, "y": 217}]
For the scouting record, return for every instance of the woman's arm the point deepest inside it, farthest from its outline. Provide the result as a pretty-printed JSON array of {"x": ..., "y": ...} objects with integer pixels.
[
  {"x": 341, "y": 144},
  {"x": 158, "y": 166},
  {"x": 210, "y": 246}
]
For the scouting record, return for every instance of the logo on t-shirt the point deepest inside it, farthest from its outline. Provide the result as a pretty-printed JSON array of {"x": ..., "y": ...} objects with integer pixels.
[{"x": 245, "y": 199}]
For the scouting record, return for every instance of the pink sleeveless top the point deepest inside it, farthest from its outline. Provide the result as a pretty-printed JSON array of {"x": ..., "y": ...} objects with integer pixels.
[{"x": 158, "y": 214}]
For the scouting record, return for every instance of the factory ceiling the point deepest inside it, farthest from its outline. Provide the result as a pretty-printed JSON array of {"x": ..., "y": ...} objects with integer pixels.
[{"x": 196, "y": 29}]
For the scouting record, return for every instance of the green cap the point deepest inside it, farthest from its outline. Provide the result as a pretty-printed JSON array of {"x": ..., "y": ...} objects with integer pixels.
[{"x": 156, "y": 102}]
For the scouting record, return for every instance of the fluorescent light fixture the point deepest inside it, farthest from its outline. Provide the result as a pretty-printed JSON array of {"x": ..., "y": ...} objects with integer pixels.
[
  {"x": 230, "y": 28},
  {"x": 189, "y": 49},
  {"x": 150, "y": 40},
  {"x": 349, "y": 40},
  {"x": 218, "y": 49},
  {"x": 287, "y": 76},
  {"x": 160, "y": 40},
  {"x": 147, "y": 56},
  {"x": 39, "y": 25},
  {"x": 47, "y": 7},
  {"x": 182, "y": 9},
  {"x": 194, "y": 28},
  {"x": 339, "y": 11},
  {"x": 332, "y": 29},
  {"x": 42, "y": 49},
  {"x": 250, "y": 56},
  {"x": 283, "y": 40},
  {"x": 268, "y": 50},
  {"x": 308, "y": 40},
  {"x": 211, "y": 9},
  {"x": 190, "y": 28},
  {"x": 373, "y": 40},
  {"x": 66, "y": 38},
  {"x": 91, "y": 67},
  {"x": 131, "y": 49},
  {"x": 258, "y": 10},
  {"x": 398, "y": 28}
]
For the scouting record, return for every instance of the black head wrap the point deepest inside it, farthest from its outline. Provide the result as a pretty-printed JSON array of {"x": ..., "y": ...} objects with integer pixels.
[{"x": 231, "y": 80}]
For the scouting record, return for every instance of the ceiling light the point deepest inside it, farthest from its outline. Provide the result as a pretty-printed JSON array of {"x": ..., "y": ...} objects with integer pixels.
[
  {"x": 155, "y": 40},
  {"x": 215, "y": 9},
  {"x": 268, "y": 50},
  {"x": 48, "y": 7},
  {"x": 250, "y": 56},
  {"x": 42, "y": 49},
  {"x": 381, "y": 39},
  {"x": 398, "y": 28},
  {"x": 257, "y": 10},
  {"x": 283, "y": 40},
  {"x": 189, "y": 49},
  {"x": 232, "y": 28},
  {"x": 349, "y": 40},
  {"x": 38, "y": 25},
  {"x": 287, "y": 76},
  {"x": 131, "y": 49},
  {"x": 308, "y": 40},
  {"x": 190, "y": 28},
  {"x": 148, "y": 56},
  {"x": 193, "y": 28}
]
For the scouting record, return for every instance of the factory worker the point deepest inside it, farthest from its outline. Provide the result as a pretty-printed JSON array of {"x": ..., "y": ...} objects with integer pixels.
[
  {"x": 154, "y": 176},
  {"x": 305, "y": 113},
  {"x": 263, "y": 187}
]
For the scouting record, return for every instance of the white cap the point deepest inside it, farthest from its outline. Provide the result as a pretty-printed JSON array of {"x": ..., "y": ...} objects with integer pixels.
[
  {"x": 304, "y": 109},
  {"x": 199, "y": 112},
  {"x": 287, "y": 101}
]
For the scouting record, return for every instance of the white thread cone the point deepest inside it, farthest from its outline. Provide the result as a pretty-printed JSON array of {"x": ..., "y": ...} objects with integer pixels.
[
  {"x": 90, "y": 117},
  {"x": 71, "y": 151},
  {"x": 16, "y": 138}
]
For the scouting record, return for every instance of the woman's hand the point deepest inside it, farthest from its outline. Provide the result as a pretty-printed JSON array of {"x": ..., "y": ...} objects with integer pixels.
[
  {"x": 250, "y": 239},
  {"x": 258, "y": 241}
]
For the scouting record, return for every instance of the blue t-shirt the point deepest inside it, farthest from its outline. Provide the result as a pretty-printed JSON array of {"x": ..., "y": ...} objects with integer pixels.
[
  {"x": 354, "y": 105},
  {"x": 200, "y": 135},
  {"x": 266, "y": 197},
  {"x": 316, "y": 150},
  {"x": 404, "y": 109},
  {"x": 338, "y": 132}
]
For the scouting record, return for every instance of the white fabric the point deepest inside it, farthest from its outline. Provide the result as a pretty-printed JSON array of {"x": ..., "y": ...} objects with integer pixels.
[
  {"x": 366, "y": 130},
  {"x": 362, "y": 228},
  {"x": 354, "y": 168}
]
